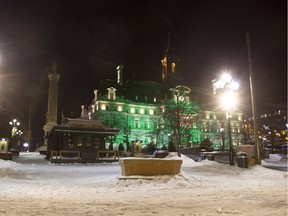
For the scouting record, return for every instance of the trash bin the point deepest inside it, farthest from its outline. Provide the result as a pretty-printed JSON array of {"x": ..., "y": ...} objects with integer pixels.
[{"x": 242, "y": 159}]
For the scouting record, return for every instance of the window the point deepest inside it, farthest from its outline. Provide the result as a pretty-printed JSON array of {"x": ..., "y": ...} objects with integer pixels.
[
  {"x": 239, "y": 118},
  {"x": 88, "y": 140},
  {"x": 142, "y": 111},
  {"x": 103, "y": 107},
  {"x": 120, "y": 108},
  {"x": 132, "y": 110},
  {"x": 151, "y": 111},
  {"x": 111, "y": 93},
  {"x": 146, "y": 124},
  {"x": 137, "y": 123},
  {"x": 236, "y": 128}
]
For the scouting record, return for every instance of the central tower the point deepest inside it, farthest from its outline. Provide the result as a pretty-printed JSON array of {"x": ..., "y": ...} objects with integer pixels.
[{"x": 170, "y": 63}]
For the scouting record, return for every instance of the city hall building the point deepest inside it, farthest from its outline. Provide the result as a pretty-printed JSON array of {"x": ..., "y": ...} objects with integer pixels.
[{"x": 132, "y": 106}]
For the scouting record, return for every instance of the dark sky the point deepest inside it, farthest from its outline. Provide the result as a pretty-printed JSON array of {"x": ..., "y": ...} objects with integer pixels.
[{"x": 88, "y": 39}]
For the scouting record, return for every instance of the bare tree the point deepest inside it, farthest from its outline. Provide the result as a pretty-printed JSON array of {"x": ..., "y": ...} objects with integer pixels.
[{"x": 179, "y": 114}]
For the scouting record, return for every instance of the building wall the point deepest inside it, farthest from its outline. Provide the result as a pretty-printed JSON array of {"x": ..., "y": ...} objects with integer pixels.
[{"x": 138, "y": 122}]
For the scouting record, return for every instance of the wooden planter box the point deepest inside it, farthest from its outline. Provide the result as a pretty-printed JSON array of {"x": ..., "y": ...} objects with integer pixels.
[{"x": 149, "y": 166}]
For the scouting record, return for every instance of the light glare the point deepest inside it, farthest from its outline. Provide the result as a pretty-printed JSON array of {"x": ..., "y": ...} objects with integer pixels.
[
  {"x": 226, "y": 78},
  {"x": 228, "y": 100}
]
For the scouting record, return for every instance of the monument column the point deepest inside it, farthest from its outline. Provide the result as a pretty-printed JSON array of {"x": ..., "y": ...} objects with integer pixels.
[{"x": 52, "y": 111}]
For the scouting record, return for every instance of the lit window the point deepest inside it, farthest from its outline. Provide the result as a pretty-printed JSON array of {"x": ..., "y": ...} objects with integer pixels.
[
  {"x": 120, "y": 108},
  {"x": 142, "y": 111},
  {"x": 151, "y": 111},
  {"x": 132, "y": 110},
  {"x": 103, "y": 107},
  {"x": 137, "y": 123},
  {"x": 146, "y": 124},
  {"x": 207, "y": 116},
  {"x": 239, "y": 118},
  {"x": 154, "y": 99}
]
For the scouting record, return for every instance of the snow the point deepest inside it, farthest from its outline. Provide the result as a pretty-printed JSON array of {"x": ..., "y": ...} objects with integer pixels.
[{"x": 29, "y": 185}]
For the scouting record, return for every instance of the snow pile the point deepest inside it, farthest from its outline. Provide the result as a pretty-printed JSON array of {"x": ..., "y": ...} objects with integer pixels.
[
  {"x": 8, "y": 164},
  {"x": 37, "y": 187},
  {"x": 275, "y": 157}
]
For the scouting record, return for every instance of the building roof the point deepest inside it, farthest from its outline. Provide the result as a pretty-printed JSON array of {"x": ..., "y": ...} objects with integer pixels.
[{"x": 84, "y": 126}]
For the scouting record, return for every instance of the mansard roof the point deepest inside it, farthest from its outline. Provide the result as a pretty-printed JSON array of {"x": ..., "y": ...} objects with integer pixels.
[{"x": 144, "y": 90}]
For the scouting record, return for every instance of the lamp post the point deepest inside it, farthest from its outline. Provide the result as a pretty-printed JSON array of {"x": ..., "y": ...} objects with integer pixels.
[
  {"x": 19, "y": 134},
  {"x": 253, "y": 103},
  {"x": 223, "y": 137},
  {"x": 227, "y": 89},
  {"x": 14, "y": 123}
]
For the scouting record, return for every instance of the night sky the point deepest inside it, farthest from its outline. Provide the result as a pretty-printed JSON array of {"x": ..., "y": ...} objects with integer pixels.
[{"x": 88, "y": 39}]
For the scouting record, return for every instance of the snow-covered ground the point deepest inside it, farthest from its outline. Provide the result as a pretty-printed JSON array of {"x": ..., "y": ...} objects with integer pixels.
[{"x": 30, "y": 185}]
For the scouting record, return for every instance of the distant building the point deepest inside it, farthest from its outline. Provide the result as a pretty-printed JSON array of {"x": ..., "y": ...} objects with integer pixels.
[
  {"x": 272, "y": 127},
  {"x": 133, "y": 108}
]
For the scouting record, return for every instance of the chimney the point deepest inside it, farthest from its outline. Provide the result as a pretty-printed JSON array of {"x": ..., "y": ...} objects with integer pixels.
[{"x": 120, "y": 74}]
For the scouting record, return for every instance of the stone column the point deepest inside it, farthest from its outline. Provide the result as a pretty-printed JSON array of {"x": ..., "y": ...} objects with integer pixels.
[{"x": 52, "y": 111}]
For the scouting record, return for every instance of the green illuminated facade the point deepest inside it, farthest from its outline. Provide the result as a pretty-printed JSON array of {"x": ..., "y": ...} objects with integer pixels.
[{"x": 135, "y": 108}]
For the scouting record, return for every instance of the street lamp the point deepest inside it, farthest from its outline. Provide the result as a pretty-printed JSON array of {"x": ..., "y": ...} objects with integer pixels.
[
  {"x": 26, "y": 147},
  {"x": 14, "y": 123},
  {"x": 227, "y": 89}
]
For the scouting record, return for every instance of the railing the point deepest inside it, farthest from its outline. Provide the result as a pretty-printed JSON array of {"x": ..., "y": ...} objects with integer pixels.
[
  {"x": 114, "y": 154},
  {"x": 63, "y": 154},
  {"x": 66, "y": 154}
]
